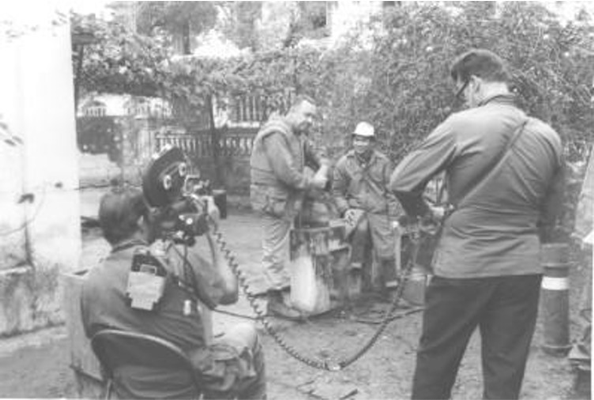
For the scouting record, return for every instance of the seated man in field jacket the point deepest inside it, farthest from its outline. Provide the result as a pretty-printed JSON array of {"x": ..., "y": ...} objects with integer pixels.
[
  {"x": 231, "y": 367},
  {"x": 360, "y": 190}
]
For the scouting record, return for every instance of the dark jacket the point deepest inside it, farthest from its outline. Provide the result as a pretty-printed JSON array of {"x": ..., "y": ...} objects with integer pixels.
[
  {"x": 497, "y": 232},
  {"x": 364, "y": 186}
]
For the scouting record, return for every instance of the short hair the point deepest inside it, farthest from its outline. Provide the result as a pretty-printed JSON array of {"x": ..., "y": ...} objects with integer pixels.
[
  {"x": 302, "y": 98},
  {"x": 481, "y": 63},
  {"x": 119, "y": 212}
]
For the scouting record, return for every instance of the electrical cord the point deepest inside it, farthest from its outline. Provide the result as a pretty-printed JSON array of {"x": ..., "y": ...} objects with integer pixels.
[
  {"x": 318, "y": 364},
  {"x": 392, "y": 318}
]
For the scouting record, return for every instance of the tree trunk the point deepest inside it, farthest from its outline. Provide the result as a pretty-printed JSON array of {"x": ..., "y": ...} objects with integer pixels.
[{"x": 186, "y": 48}]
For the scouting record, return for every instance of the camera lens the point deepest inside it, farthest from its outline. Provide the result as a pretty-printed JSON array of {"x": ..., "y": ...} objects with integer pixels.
[
  {"x": 167, "y": 182},
  {"x": 183, "y": 169}
]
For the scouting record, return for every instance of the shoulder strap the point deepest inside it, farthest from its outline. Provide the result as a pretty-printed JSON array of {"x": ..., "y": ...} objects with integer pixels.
[{"x": 495, "y": 170}]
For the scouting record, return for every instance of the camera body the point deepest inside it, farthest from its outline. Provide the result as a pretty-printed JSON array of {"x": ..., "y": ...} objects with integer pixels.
[{"x": 178, "y": 198}]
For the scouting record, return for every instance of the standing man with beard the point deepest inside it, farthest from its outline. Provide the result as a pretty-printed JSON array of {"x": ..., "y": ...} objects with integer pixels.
[
  {"x": 280, "y": 153},
  {"x": 360, "y": 189},
  {"x": 486, "y": 268}
]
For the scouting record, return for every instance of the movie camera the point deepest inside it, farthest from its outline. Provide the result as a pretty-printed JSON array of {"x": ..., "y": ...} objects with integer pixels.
[{"x": 182, "y": 201}]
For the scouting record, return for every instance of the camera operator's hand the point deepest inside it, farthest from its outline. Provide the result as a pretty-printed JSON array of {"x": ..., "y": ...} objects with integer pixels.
[{"x": 212, "y": 210}]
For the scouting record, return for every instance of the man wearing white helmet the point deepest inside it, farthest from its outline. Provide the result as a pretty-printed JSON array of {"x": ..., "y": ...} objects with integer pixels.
[{"x": 360, "y": 189}]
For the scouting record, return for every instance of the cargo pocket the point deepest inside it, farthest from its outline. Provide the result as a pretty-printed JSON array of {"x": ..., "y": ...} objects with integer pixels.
[
  {"x": 269, "y": 200},
  {"x": 275, "y": 206},
  {"x": 222, "y": 366},
  {"x": 258, "y": 196},
  {"x": 276, "y": 202}
]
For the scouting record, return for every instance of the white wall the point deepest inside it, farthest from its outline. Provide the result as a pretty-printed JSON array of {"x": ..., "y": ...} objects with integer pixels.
[{"x": 37, "y": 104}]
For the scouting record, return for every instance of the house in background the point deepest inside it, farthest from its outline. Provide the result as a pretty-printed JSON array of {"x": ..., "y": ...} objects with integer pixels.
[{"x": 122, "y": 127}]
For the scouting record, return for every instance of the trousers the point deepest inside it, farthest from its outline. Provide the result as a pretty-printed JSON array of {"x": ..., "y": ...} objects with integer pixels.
[
  {"x": 275, "y": 247},
  {"x": 232, "y": 367},
  {"x": 374, "y": 228},
  {"x": 503, "y": 308}
]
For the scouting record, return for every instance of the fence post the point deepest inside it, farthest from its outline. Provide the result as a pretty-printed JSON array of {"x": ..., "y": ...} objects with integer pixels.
[{"x": 555, "y": 298}]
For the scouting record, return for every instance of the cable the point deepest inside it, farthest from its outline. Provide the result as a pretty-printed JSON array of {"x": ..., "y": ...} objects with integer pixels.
[
  {"x": 318, "y": 364},
  {"x": 233, "y": 314},
  {"x": 392, "y": 318}
]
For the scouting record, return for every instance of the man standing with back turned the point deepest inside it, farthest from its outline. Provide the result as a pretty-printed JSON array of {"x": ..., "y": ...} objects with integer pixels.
[
  {"x": 280, "y": 153},
  {"x": 486, "y": 266}
]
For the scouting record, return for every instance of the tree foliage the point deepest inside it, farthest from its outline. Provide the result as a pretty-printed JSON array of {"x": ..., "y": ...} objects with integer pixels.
[
  {"x": 173, "y": 15},
  {"x": 240, "y": 24},
  {"x": 119, "y": 61},
  {"x": 310, "y": 22},
  {"x": 178, "y": 18},
  {"x": 398, "y": 80},
  {"x": 394, "y": 74},
  {"x": 99, "y": 135},
  {"x": 410, "y": 90}
]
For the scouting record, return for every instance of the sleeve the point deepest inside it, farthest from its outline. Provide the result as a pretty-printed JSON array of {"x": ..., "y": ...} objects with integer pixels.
[
  {"x": 84, "y": 310},
  {"x": 411, "y": 176},
  {"x": 340, "y": 184},
  {"x": 553, "y": 203},
  {"x": 205, "y": 279},
  {"x": 394, "y": 208},
  {"x": 282, "y": 162}
]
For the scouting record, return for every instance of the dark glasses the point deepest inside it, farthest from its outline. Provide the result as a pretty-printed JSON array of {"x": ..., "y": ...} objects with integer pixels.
[{"x": 461, "y": 90}]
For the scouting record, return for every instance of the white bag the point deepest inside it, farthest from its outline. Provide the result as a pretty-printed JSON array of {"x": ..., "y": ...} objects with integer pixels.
[{"x": 309, "y": 292}]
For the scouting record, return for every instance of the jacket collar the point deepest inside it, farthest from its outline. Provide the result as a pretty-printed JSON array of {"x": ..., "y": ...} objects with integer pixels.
[
  {"x": 507, "y": 98},
  {"x": 351, "y": 154}
]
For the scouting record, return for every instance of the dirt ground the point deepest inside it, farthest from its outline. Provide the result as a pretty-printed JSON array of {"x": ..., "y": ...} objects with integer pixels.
[{"x": 37, "y": 365}]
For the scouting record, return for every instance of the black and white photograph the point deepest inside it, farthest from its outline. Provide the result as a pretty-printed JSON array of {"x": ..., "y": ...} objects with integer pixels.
[{"x": 296, "y": 200}]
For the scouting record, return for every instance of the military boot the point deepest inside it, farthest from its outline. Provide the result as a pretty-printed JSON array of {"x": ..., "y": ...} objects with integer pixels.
[{"x": 278, "y": 308}]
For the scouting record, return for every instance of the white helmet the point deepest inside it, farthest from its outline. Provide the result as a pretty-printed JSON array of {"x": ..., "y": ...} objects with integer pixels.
[{"x": 364, "y": 129}]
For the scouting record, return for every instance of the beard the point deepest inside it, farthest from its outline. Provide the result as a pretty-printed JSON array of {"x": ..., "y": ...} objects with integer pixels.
[{"x": 303, "y": 128}]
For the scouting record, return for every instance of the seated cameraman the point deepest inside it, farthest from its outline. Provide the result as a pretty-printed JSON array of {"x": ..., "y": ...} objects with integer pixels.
[{"x": 233, "y": 366}]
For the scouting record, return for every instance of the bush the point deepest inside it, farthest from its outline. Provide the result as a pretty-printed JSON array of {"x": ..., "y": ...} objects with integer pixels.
[{"x": 99, "y": 135}]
